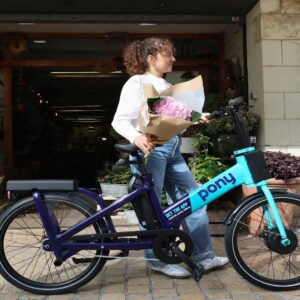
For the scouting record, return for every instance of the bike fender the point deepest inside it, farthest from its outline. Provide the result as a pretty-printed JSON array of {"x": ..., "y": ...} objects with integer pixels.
[{"x": 248, "y": 199}]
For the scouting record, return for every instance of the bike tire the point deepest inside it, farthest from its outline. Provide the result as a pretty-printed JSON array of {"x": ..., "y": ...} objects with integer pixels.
[
  {"x": 253, "y": 249},
  {"x": 26, "y": 265}
]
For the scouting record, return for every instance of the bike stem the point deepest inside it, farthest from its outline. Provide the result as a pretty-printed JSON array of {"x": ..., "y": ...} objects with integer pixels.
[{"x": 240, "y": 127}]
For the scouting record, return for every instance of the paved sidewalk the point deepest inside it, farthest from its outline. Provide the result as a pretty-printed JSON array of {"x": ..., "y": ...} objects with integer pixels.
[{"x": 131, "y": 280}]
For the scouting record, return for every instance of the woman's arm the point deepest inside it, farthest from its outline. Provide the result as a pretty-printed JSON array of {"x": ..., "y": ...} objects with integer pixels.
[
  {"x": 125, "y": 121},
  {"x": 126, "y": 117}
]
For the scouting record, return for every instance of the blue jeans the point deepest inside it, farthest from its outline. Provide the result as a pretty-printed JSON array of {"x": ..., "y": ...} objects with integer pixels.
[{"x": 169, "y": 170}]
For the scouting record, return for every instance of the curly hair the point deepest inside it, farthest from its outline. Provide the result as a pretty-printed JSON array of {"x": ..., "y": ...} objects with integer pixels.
[{"x": 135, "y": 55}]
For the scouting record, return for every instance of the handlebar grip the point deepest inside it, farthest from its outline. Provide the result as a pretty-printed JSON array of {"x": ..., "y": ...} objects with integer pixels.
[
  {"x": 236, "y": 102},
  {"x": 214, "y": 115}
]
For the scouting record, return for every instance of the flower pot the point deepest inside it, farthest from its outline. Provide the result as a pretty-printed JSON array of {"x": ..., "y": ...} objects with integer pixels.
[
  {"x": 293, "y": 184},
  {"x": 186, "y": 146},
  {"x": 114, "y": 189},
  {"x": 256, "y": 219},
  {"x": 131, "y": 217}
]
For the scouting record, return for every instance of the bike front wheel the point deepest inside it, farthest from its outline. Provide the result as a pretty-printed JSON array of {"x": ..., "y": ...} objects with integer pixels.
[
  {"x": 254, "y": 247},
  {"x": 26, "y": 264}
]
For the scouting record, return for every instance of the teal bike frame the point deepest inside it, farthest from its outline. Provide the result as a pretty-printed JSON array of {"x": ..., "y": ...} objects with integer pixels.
[{"x": 238, "y": 174}]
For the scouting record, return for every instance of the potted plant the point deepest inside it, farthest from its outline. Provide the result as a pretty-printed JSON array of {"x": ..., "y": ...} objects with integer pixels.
[
  {"x": 284, "y": 169},
  {"x": 188, "y": 138},
  {"x": 114, "y": 182}
]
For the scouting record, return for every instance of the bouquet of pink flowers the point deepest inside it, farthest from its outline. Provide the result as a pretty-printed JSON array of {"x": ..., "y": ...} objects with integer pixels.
[
  {"x": 168, "y": 113},
  {"x": 169, "y": 106}
]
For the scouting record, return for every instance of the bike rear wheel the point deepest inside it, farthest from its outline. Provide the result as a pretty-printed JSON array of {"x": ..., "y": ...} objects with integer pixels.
[
  {"x": 24, "y": 262},
  {"x": 255, "y": 250}
]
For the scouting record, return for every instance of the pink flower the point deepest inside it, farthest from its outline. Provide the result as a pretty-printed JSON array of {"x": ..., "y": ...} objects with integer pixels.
[{"x": 170, "y": 107}]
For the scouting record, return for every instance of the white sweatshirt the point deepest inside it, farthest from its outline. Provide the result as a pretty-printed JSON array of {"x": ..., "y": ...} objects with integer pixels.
[{"x": 132, "y": 98}]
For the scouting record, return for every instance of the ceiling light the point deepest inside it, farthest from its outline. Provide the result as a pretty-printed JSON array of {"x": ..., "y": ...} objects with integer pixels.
[
  {"x": 26, "y": 24},
  {"x": 39, "y": 41},
  {"x": 74, "y": 72},
  {"x": 116, "y": 72},
  {"x": 83, "y": 74},
  {"x": 148, "y": 24}
]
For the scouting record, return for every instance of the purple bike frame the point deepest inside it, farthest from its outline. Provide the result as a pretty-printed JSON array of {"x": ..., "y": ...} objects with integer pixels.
[{"x": 64, "y": 249}]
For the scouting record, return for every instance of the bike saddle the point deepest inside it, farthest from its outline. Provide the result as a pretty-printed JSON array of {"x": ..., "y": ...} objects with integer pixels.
[{"x": 128, "y": 148}]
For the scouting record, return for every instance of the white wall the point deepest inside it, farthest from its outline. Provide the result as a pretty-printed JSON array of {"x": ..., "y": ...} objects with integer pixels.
[{"x": 273, "y": 54}]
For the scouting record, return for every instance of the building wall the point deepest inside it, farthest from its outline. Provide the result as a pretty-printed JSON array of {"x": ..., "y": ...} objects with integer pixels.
[
  {"x": 233, "y": 40},
  {"x": 273, "y": 54}
]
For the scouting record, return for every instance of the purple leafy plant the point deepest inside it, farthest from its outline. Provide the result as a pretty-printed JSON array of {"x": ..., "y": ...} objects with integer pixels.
[{"x": 282, "y": 165}]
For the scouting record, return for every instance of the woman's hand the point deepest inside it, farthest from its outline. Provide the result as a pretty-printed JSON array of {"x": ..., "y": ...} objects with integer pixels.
[
  {"x": 203, "y": 119},
  {"x": 144, "y": 144}
]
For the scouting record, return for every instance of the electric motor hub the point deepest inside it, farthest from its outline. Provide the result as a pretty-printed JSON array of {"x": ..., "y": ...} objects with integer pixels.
[{"x": 274, "y": 241}]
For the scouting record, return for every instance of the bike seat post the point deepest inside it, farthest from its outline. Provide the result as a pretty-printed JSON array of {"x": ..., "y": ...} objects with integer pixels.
[{"x": 141, "y": 164}]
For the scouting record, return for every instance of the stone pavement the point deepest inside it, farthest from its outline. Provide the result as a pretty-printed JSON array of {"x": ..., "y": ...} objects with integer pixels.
[{"x": 131, "y": 280}]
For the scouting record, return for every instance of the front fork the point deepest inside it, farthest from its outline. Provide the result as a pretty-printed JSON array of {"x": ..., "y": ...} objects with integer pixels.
[{"x": 274, "y": 210}]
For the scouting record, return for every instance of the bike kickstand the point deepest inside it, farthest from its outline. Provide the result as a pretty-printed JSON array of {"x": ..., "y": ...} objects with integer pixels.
[{"x": 197, "y": 271}]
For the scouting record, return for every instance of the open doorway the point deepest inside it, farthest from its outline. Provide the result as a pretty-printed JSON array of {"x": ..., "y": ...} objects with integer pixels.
[{"x": 61, "y": 122}]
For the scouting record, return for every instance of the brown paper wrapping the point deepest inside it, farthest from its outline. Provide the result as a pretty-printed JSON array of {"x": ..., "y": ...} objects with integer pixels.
[{"x": 160, "y": 128}]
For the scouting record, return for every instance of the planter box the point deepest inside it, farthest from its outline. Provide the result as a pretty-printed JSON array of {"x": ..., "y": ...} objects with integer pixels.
[
  {"x": 131, "y": 217},
  {"x": 186, "y": 146},
  {"x": 114, "y": 189}
]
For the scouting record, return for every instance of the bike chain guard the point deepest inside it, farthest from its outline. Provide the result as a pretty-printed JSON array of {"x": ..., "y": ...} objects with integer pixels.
[
  {"x": 166, "y": 247},
  {"x": 162, "y": 245}
]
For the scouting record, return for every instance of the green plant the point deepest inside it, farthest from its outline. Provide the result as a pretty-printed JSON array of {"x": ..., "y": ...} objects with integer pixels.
[
  {"x": 226, "y": 125},
  {"x": 219, "y": 126},
  {"x": 207, "y": 167},
  {"x": 251, "y": 121},
  {"x": 203, "y": 165},
  {"x": 202, "y": 143},
  {"x": 110, "y": 176},
  {"x": 212, "y": 102}
]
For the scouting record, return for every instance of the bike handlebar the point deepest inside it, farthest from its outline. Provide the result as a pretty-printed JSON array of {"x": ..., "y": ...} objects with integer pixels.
[
  {"x": 232, "y": 109},
  {"x": 233, "y": 104}
]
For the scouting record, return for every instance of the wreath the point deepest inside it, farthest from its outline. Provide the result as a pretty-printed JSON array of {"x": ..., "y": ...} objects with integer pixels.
[{"x": 14, "y": 45}]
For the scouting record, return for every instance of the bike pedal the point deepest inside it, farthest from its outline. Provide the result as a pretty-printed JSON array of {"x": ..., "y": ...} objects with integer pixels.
[{"x": 198, "y": 272}]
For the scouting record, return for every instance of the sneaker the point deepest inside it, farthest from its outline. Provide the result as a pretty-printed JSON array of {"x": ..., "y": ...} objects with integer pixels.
[
  {"x": 214, "y": 263},
  {"x": 173, "y": 271}
]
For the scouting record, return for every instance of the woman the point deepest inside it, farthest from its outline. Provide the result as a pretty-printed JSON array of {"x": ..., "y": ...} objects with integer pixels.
[{"x": 147, "y": 61}]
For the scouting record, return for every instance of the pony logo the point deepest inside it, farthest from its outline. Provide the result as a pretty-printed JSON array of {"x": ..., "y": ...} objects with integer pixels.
[{"x": 217, "y": 185}]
